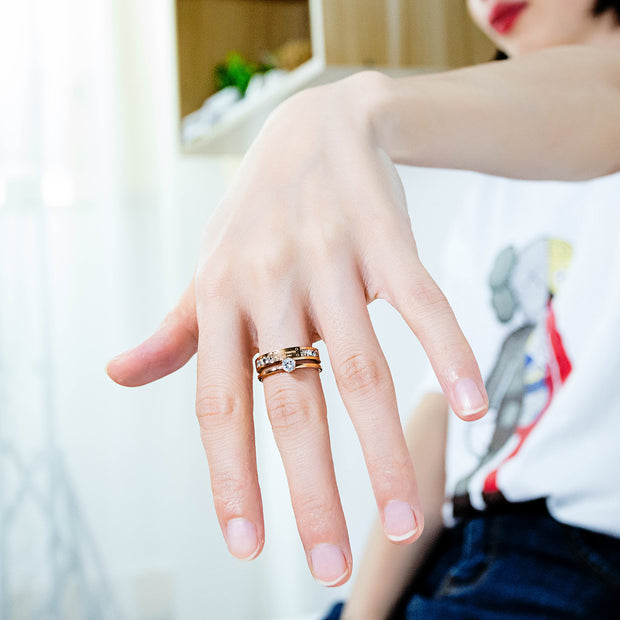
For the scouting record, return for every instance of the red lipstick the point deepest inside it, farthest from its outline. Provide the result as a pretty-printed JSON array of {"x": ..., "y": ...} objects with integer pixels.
[{"x": 504, "y": 15}]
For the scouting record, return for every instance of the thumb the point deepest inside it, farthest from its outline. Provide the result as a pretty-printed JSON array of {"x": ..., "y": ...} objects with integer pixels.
[{"x": 170, "y": 347}]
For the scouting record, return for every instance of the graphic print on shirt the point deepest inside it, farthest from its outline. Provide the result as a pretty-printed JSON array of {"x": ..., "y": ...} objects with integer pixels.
[{"x": 531, "y": 364}]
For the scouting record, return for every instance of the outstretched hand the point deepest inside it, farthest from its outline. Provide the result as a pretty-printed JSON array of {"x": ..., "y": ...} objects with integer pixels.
[{"x": 314, "y": 227}]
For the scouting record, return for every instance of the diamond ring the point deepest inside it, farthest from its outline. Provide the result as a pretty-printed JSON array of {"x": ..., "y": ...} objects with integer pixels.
[{"x": 287, "y": 360}]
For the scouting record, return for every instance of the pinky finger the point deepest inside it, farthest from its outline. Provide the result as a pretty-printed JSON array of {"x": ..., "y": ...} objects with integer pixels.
[{"x": 166, "y": 350}]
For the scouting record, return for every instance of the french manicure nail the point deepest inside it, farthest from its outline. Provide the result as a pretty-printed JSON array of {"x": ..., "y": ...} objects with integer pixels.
[
  {"x": 242, "y": 538},
  {"x": 469, "y": 397},
  {"x": 399, "y": 521},
  {"x": 328, "y": 564}
]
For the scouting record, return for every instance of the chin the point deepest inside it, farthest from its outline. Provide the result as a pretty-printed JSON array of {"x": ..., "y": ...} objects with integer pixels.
[
  {"x": 526, "y": 42},
  {"x": 519, "y": 48}
]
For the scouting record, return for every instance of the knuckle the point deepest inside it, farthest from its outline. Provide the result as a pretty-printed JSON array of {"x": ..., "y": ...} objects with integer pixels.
[
  {"x": 274, "y": 264},
  {"x": 318, "y": 513},
  {"x": 229, "y": 491},
  {"x": 394, "y": 232},
  {"x": 389, "y": 473},
  {"x": 182, "y": 318},
  {"x": 216, "y": 406},
  {"x": 212, "y": 281},
  {"x": 426, "y": 296},
  {"x": 331, "y": 238},
  {"x": 359, "y": 374},
  {"x": 287, "y": 413}
]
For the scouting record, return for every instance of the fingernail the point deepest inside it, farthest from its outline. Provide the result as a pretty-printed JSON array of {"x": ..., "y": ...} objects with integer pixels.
[
  {"x": 469, "y": 397},
  {"x": 242, "y": 539},
  {"x": 399, "y": 521},
  {"x": 328, "y": 564}
]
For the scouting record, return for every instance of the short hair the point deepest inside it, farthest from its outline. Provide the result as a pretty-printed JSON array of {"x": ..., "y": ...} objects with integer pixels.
[{"x": 603, "y": 6}]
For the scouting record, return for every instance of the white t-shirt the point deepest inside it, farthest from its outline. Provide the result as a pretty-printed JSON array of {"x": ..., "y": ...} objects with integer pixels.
[{"x": 532, "y": 272}]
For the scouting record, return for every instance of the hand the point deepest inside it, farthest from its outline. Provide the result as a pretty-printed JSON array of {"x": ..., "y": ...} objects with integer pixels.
[{"x": 313, "y": 229}]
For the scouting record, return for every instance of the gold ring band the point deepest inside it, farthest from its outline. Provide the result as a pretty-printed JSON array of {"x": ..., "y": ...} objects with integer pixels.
[
  {"x": 278, "y": 368},
  {"x": 287, "y": 360}
]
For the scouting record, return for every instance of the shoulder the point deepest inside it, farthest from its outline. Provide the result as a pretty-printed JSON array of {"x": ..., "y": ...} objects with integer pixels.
[{"x": 603, "y": 60}]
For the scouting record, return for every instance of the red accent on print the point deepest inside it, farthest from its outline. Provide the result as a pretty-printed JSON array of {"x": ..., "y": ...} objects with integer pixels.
[
  {"x": 559, "y": 352},
  {"x": 558, "y": 364}
]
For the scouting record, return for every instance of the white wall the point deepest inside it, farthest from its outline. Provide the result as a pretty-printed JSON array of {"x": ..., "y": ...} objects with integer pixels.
[{"x": 99, "y": 233}]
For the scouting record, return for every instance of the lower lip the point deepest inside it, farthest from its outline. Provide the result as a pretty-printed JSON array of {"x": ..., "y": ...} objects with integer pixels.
[{"x": 505, "y": 23}]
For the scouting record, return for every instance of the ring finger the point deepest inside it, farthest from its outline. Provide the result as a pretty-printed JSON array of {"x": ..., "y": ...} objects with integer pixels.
[{"x": 298, "y": 416}]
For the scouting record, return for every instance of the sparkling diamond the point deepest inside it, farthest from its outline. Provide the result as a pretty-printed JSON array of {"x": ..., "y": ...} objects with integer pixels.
[{"x": 288, "y": 364}]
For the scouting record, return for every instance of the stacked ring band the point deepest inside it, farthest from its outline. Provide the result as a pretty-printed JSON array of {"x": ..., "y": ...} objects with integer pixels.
[{"x": 287, "y": 360}]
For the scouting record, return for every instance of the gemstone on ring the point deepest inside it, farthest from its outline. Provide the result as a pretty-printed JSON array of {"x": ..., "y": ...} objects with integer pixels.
[{"x": 288, "y": 364}]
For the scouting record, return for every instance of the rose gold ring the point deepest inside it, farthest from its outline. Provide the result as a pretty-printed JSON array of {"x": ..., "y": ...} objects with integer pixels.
[{"x": 287, "y": 360}]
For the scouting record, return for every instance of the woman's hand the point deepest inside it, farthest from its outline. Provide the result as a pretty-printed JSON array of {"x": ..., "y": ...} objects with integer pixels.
[{"x": 314, "y": 228}]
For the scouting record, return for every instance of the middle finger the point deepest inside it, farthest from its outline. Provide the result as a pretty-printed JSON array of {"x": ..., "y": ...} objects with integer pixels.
[{"x": 365, "y": 384}]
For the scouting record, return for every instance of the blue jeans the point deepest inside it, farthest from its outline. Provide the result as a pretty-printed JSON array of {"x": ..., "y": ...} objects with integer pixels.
[{"x": 513, "y": 565}]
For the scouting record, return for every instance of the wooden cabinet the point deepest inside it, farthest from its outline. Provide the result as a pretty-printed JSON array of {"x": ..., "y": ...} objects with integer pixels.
[
  {"x": 415, "y": 34},
  {"x": 208, "y": 29},
  {"x": 434, "y": 34}
]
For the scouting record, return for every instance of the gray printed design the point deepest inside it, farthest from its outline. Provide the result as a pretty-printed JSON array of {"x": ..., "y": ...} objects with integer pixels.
[{"x": 531, "y": 363}]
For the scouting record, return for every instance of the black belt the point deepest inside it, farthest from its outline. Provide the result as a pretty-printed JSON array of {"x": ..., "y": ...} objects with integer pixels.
[{"x": 464, "y": 509}]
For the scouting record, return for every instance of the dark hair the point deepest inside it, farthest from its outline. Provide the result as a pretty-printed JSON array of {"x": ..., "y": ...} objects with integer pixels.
[{"x": 602, "y": 6}]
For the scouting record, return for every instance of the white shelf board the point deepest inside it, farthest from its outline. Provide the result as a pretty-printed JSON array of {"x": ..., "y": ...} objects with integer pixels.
[
  {"x": 236, "y": 131},
  {"x": 234, "y": 134}
]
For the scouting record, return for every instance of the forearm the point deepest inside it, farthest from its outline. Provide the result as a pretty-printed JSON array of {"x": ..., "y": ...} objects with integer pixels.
[
  {"x": 387, "y": 568},
  {"x": 553, "y": 114}
]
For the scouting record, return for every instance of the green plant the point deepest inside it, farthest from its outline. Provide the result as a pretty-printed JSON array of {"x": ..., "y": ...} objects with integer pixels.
[{"x": 236, "y": 71}]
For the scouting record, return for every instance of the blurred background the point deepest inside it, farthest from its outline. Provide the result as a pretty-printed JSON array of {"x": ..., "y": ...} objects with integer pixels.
[{"x": 121, "y": 125}]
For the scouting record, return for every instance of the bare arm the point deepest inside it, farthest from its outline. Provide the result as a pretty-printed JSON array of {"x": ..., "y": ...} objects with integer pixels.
[
  {"x": 322, "y": 164},
  {"x": 386, "y": 567},
  {"x": 553, "y": 114}
]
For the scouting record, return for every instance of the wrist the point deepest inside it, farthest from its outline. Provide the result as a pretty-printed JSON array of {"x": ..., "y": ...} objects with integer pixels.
[
  {"x": 362, "y": 610},
  {"x": 351, "y": 103},
  {"x": 366, "y": 95},
  {"x": 393, "y": 112}
]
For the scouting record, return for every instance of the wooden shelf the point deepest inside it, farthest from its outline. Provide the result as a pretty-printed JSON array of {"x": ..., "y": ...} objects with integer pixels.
[{"x": 207, "y": 30}]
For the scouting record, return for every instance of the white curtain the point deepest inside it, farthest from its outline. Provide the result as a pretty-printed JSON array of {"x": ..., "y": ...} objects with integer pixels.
[{"x": 105, "y": 505}]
